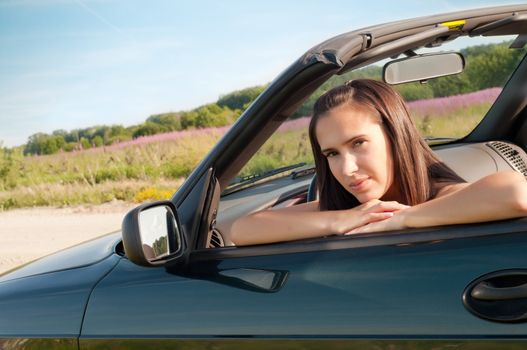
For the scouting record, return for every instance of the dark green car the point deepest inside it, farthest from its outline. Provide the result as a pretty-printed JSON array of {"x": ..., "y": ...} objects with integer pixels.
[{"x": 174, "y": 279}]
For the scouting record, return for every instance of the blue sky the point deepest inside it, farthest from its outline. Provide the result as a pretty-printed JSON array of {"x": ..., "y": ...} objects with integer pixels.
[{"x": 69, "y": 64}]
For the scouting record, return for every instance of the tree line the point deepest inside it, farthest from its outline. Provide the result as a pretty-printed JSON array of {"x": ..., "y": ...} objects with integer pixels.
[{"x": 487, "y": 66}]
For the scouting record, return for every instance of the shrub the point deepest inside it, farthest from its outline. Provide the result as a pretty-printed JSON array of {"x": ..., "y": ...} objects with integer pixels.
[{"x": 152, "y": 193}]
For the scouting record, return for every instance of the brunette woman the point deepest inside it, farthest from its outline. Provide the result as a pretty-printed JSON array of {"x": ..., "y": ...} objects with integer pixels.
[{"x": 376, "y": 173}]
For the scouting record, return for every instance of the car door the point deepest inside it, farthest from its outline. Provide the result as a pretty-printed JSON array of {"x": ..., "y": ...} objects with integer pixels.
[{"x": 400, "y": 290}]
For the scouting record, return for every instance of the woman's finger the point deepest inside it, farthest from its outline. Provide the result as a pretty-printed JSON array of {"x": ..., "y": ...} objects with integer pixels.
[
  {"x": 389, "y": 206},
  {"x": 374, "y": 216}
]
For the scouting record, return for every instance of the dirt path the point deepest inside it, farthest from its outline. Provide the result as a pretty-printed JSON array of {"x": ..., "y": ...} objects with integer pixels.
[{"x": 27, "y": 234}]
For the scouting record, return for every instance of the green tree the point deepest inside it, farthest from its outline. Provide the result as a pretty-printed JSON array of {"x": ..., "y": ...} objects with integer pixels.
[
  {"x": 415, "y": 91},
  {"x": 170, "y": 121},
  {"x": 97, "y": 141},
  {"x": 188, "y": 119},
  {"x": 160, "y": 246},
  {"x": 118, "y": 133},
  {"x": 70, "y": 146},
  {"x": 42, "y": 143},
  {"x": 72, "y": 136},
  {"x": 240, "y": 99},
  {"x": 33, "y": 144},
  {"x": 85, "y": 143},
  {"x": 148, "y": 128}
]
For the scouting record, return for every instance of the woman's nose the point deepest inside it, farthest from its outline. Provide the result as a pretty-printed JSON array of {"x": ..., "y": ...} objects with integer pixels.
[{"x": 349, "y": 165}]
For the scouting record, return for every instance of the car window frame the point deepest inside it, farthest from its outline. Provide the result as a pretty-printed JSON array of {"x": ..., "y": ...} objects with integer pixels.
[
  {"x": 284, "y": 105},
  {"x": 411, "y": 236}
]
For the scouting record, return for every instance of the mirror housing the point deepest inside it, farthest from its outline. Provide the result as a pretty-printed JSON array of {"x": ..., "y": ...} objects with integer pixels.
[
  {"x": 423, "y": 67},
  {"x": 151, "y": 234}
]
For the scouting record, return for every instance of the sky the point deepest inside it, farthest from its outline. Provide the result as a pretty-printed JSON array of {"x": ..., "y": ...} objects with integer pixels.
[{"x": 68, "y": 64}]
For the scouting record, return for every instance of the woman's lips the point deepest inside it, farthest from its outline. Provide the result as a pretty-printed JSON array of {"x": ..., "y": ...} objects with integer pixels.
[{"x": 359, "y": 185}]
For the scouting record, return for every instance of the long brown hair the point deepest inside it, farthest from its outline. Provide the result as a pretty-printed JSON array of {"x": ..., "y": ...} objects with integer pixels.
[{"x": 417, "y": 170}]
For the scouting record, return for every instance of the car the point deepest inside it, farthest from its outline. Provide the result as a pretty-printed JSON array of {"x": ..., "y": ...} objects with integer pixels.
[{"x": 173, "y": 277}]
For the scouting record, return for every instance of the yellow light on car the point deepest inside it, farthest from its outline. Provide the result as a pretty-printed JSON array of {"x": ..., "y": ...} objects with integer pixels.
[{"x": 454, "y": 25}]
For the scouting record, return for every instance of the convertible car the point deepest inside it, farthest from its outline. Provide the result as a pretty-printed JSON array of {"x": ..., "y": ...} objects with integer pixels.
[{"x": 174, "y": 279}]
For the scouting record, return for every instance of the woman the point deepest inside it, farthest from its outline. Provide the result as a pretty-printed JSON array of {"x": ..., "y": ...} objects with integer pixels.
[{"x": 375, "y": 173}]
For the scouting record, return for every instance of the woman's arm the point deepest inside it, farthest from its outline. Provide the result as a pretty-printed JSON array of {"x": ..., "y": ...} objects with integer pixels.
[
  {"x": 499, "y": 196},
  {"x": 306, "y": 221}
]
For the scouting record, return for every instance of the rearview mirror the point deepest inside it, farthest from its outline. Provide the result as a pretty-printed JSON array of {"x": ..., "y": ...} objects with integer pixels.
[
  {"x": 151, "y": 233},
  {"x": 423, "y": 67}
]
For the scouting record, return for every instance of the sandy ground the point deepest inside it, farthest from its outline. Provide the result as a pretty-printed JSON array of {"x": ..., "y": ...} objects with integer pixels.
[{"x": 27, "y": 234}]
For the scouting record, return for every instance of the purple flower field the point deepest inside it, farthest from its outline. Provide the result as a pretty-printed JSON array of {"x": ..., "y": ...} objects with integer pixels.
[
  {"x": 194, "y": 133},
  {"x": 445, "y": 105},
  {"x": 431, "y": 107},
  {"x": 170, "y": 136}
]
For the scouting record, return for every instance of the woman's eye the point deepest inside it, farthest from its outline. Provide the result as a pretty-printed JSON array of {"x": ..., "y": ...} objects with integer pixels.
[
  {"x": 330, "y": 154},
  {"x": 358, "y": 143}
]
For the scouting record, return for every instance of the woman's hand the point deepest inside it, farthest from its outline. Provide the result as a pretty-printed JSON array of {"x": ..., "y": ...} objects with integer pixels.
[
  {"x": 395, "y": 222},
  {"x": 307, "y": 221},
  {"x": 373, "y": 215},
  {"x": 497, "y": 196}
]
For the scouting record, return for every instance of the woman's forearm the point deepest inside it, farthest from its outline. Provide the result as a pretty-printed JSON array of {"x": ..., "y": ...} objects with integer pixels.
[
  {"x": 275, "y": 226},
  {"x": 496, "y": 197},
  {"x": 306, "y": 221}
]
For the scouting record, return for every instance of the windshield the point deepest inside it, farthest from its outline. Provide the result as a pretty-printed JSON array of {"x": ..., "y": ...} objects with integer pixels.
[{"x": 444, "y": 109}]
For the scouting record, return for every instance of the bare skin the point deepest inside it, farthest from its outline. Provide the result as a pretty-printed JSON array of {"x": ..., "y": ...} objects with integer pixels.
[
  {"x": 306, "y": 221},
  {"x": 495, "y": 197}
]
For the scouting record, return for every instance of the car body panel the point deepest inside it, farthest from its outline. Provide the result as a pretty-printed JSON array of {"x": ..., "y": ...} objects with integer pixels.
[
  {"x": 401, "y": 291},
  {"x": 83, "y": 254},
  {"x": 49, "y": 305},
  {"x": 47, "y": 298}
]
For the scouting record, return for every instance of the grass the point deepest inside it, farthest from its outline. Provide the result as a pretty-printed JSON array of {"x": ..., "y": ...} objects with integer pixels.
[
  {"x": 154, "y": 167},
  {"x": 60, "y": 194}
]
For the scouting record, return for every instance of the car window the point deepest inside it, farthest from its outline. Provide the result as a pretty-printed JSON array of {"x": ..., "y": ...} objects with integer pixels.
[{"x": 443, "y": 109}]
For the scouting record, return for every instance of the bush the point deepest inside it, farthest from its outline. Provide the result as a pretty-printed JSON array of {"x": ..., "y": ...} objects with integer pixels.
[
  {"x": 415, "y": 91},
  {"x": 240, "y": 99},
  {"x": 152, "y": 193},
  {"x": 108, "y": 174},
  {"x": 97, "y": 141},
  {"x": 148, "y": 128},
  {"x": 188, "y": 120}
]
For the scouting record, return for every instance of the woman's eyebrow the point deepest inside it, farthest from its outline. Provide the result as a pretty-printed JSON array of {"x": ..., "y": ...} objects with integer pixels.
[{"x": 344, "y": 143}]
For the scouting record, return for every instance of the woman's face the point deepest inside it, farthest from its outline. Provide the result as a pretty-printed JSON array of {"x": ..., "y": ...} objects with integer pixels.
[{"x": 358, "y": 152}]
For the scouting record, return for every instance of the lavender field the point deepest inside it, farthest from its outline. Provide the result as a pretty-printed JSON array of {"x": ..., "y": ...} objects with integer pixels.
[{"x": 153, "y": 167}]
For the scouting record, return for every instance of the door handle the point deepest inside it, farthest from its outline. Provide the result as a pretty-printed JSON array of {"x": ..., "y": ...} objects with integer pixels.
[
  {"x": 499, "y": 296},
  {"x": 485, "y": 291}
]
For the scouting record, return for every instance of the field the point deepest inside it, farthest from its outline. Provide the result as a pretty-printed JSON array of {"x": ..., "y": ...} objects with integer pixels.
[{"x": 154, "y": 167}]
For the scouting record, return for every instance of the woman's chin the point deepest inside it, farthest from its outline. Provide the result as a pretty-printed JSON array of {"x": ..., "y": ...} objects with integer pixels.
[{"x": 366, "y": 197}]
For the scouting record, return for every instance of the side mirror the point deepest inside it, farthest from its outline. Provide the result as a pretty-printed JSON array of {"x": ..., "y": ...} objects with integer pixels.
[
  {"x": 151, "y": 234},
  {"x": 423, "y": 67}
]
